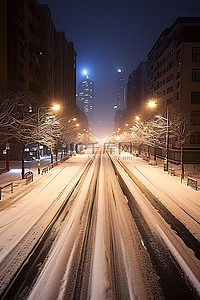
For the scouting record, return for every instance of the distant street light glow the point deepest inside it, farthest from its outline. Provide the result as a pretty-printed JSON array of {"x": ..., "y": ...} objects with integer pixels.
[
  {"x": 85, "y": 72},
  {"x": 152, "y": 103},
  {"x": 56, "y": 106},
  {"x": 119, "y": 70}
]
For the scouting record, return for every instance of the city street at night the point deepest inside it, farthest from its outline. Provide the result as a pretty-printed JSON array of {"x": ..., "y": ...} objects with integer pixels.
[
  {"x": 101, "y": 226},
  {"x": 99, "y": 150}
]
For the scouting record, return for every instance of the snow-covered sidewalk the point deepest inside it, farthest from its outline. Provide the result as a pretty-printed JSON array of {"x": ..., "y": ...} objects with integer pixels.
[
  {"x": 183, "y": 201},
  {"x": 19, "y": 185}
]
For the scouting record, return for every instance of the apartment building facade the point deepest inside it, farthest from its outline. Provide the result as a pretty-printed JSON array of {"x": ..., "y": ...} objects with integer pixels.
[
  {"x": 65, "y": 74},
  {"x": 31, "y": 60},
  {"x": 174, "y": 71},
  {"x": 136, "y": 93},
  {"x": 19, "y": 61}
]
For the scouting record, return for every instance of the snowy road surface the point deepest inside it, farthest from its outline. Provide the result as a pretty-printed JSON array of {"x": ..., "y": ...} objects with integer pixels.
[{"x": 109, "y": 241}]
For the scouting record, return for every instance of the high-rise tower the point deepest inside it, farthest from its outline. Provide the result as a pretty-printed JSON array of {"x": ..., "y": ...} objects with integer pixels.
[
  {"x": 84, "y": 98},
  {"x": 121, "y": 90}
]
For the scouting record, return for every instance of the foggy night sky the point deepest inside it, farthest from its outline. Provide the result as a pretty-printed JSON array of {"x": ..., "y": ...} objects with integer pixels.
[{"x": 113, "y": 34}]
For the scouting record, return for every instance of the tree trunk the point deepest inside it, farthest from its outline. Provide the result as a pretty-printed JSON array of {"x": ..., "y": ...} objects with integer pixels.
[
  {"x": 182, "y": 163},
  {"x": 51, "y": 154},
  {"x": 7, "y": 156},
  {"x": 38, "y": 158},
  {"x": 148, "y": 151},
  {"x": 56, "y": 150},
  {"x": 23, "y": 147},
  {"x": 154, "y": 152}
]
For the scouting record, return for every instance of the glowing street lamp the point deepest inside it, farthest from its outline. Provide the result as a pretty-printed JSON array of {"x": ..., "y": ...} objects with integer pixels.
[
  {"x": 55, "y": 106},
  {"x": 152, "y": 104},
  {"x": 137, "y": 118}
]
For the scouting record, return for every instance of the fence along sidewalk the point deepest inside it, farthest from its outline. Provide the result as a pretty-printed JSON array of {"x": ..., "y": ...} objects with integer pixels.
[{"x": 7, "y": 185}]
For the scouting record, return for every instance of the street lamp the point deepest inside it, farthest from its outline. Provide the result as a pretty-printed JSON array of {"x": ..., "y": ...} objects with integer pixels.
[
  {"x": 54, "y": 107},
  {"x": 153, "y": 104}
]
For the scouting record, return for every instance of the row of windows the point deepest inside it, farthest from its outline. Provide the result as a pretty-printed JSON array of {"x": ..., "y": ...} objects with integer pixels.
[
  {"x": 159, "y": 64},
  {"x": 169, "y": 78},
  {"x": 169, "y": 89},
  {"x": 169, "y": 67},
  {"x": 195, "y": 58},
  {"x": 195, "y": 78},
  {"x": 195, "y": 96}
]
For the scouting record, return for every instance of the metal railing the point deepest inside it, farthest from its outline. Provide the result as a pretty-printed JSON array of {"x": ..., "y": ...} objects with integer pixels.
[
  {"x": 28, "y": 176},
  {"x": 192, "y": 182},
  {"x": 171, "y": 171},
  {"x": 45, "y": 170},
  {"x": 3, "y": 187},
  {"x": 54, "y": 164}
]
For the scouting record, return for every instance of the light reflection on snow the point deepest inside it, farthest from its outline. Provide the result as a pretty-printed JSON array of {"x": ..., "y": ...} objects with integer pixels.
[{"x": 15, "y": 170}]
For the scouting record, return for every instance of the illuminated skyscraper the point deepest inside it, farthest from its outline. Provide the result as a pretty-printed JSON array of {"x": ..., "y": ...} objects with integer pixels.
[
  {"x": 84, "y": 98},
  {"x": 121, "y": 90}
]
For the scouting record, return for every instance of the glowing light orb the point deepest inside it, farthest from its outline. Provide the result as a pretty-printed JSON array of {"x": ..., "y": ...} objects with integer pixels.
[{"x": 152, "y": 104}]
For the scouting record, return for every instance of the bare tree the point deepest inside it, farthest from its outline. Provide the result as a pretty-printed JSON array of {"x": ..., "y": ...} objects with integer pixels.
[
  {"x": 17, "y": 123},
  {"x": 181, "y": 129}
]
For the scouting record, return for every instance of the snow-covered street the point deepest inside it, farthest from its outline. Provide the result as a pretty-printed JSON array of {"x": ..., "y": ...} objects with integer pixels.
[{"x": 101, "y": 227}]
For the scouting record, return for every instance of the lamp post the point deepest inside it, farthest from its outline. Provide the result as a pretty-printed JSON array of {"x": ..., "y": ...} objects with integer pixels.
[
  {"x": 55, "y": 107},
  {"x": 152, "y": 104}
]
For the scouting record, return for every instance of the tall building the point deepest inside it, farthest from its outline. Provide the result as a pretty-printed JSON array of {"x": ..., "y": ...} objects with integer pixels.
[
  {"x": 84, "y": 98},
  {"x": 4, "y": 48},
  {"x": 20, "y": 47},
  {"x": 120, "y": 120},
  {"x": 174, "y": 70},
  {"x": 34, "y": 59},
  {"x": 65, "y": 74},
  {"x": 47, "y": 53},
  {"x": 136, "y": 89},
  {"x": 121, "y": 90}
]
